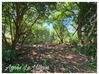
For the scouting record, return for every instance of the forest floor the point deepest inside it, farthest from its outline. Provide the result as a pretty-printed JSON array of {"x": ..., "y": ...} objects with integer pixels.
[{"x": 52, "y": 58}]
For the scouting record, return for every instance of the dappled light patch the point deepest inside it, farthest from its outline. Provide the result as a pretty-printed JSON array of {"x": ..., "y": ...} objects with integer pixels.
[
  {"x": 76, "y": 58},
  {"x": 68, "y": 57},
  {"x": 52, "y": 60}
]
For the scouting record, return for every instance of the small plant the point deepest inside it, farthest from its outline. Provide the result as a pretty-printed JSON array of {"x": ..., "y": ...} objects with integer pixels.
[
  {"x": 88, "y": 50},
  {"x": 9, "y": 54},
  {"x": 46, "y": 62},
  {"x": 92, "y": 64}
]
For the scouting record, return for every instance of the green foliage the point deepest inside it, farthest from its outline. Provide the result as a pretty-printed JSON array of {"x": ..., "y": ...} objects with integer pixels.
[
  {"x": 87, "y": 28},
  {"x": 46, "y": 62},
  {"x": 91, "y": 64},
  {"x": 9, "y": 55},
  {"x": 88, "y": 50},
  {"x": 73, "y": 41},
  {"x": 38, "y": 35}
]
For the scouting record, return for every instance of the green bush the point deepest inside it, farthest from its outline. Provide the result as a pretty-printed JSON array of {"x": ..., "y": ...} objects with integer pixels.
[
  {"x": 92, "y": 64},
  {"x": 88, "y": 50},
  {"x": 9, "y": 54}
]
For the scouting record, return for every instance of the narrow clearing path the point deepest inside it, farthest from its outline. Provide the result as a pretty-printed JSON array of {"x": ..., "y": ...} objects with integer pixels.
[{"x": 52, "y": 58}]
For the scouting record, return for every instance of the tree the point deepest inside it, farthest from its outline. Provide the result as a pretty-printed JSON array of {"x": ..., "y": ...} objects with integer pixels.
[
  {"x": 87, "y": 27},
  {"x": 17, "y": 18}
]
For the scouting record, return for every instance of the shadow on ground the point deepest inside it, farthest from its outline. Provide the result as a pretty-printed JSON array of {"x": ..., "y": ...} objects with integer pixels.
[{"x": 52, "y": 58}]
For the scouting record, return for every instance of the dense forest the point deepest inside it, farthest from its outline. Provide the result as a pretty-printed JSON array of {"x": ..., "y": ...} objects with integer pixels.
[{"x": 49, "y": 37}]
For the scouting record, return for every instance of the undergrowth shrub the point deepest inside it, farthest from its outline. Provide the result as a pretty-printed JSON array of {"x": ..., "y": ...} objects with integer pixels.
[
  {"x": 9, "y": 55},
  {"x": 88, "y": 50}
]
